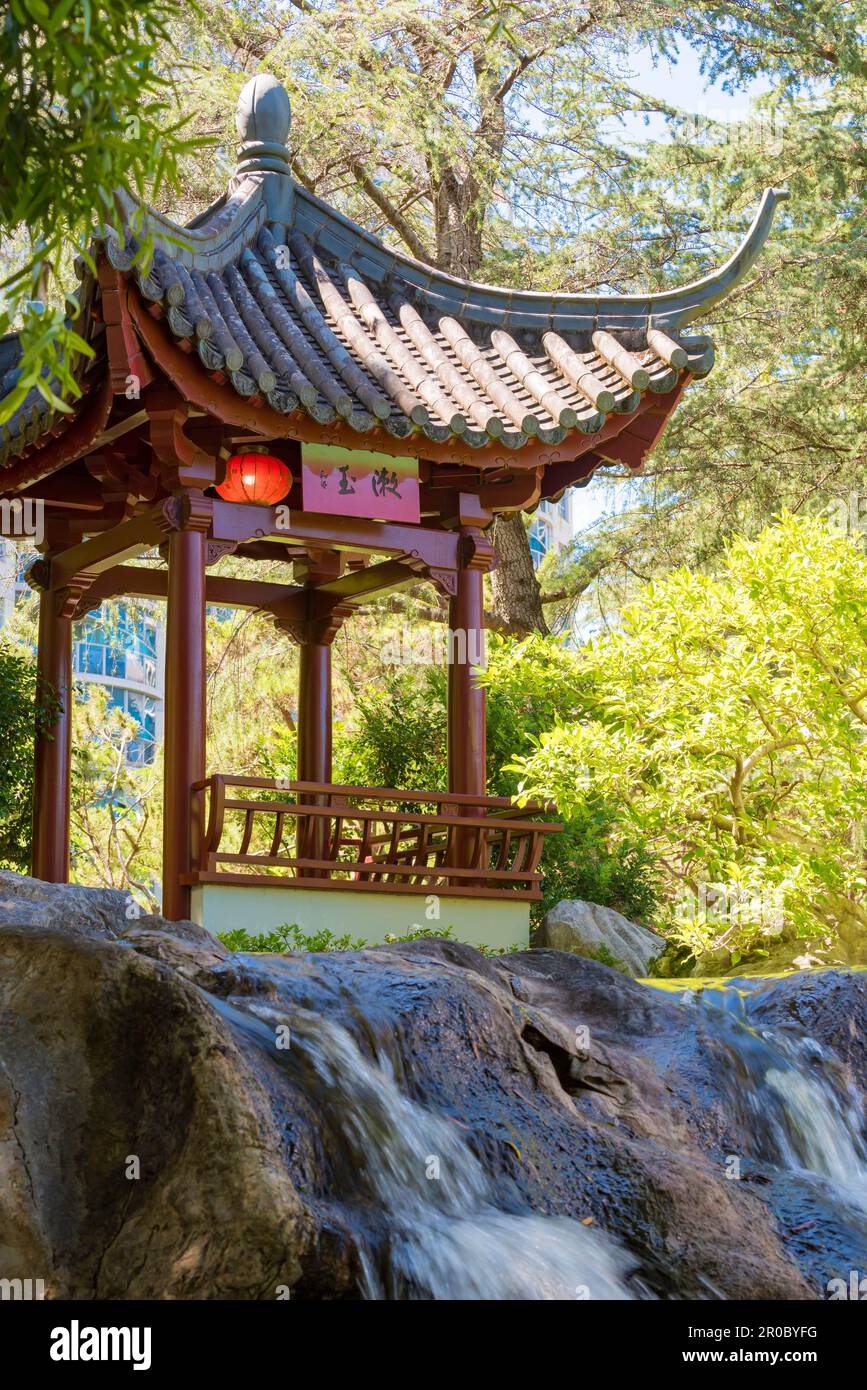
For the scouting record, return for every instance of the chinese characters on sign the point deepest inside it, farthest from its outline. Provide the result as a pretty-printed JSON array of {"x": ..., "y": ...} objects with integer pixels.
[{"x": 356, "y": 482}]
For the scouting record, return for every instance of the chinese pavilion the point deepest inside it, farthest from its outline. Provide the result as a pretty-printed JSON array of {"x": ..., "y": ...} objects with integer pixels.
[{"x": 398, "y": 409}]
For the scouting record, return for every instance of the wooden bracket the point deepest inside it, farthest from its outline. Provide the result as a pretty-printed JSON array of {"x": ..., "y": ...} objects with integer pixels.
[
  {"x": 215, "y": 550},
  {"x": 127, "y": 365},
  {"x": 71, "y": 601},
  {"x": 122, "y": 484},
  {"x": 182, "y": 461},
  {"x": 312, "y": 618},
  {"x": 459, "y": 509},
  {"x": 187, "y": 511},
  {"x": 445, "y": 581},
  {"x": 317, "y": 566},
  {"x": 38, "y": 576},
  {"x": 476, "y": 551}
]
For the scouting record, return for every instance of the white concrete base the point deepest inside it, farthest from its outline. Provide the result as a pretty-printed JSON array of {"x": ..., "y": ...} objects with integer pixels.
[{"x": 367, "y": 915}]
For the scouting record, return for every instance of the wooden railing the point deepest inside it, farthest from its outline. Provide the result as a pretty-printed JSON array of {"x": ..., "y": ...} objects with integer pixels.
[{"x": 316, "y": 835}]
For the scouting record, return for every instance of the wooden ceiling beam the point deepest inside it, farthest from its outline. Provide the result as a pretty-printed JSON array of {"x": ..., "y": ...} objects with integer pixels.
[
  {"x": 222, "y": 591},
  {"x": 102, "y": 552},
  {"x": 72, "y": 490},
  {"x": 242, "y": 522},
  {"x": 357, "y": 586}
]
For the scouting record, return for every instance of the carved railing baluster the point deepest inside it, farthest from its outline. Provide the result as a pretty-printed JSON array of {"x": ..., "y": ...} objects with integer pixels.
[
  {"x": 278, "y": 833},
  {"x": 248, "y": 829},
  {"x": 361, "y": 835},
  {"x": 505, "y": 844}
]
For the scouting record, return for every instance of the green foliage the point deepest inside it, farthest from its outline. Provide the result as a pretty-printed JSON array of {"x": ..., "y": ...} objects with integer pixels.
[
  {"x": 290, "y": 939},
  {"x": 20, "y": 711},
  {"x": 519, "y": 711},
  {"x": 293, "y": 940},
  {"x": 397, "y": 734},
  {"x": 116, "y": 813},
  {"x": 726, "y": 719},
  {"x": 607, "y": 957},
  {"x": 591, "y": 860},
  {"x": 86, "y": 108},
  {"x": 780, "y": 422}
]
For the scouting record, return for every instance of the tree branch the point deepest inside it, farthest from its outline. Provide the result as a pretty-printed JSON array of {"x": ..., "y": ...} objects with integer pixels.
[{"x": 393, "y": 214}]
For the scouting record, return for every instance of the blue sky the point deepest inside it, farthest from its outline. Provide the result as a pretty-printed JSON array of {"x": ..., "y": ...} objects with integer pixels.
[{"x": 681, "y": 82}]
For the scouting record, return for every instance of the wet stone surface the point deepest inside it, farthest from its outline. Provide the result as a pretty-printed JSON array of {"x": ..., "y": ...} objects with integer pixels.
[{"x": 417, "y": 1121}]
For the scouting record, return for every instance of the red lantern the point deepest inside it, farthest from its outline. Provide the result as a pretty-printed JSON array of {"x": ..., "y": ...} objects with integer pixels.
[{"x": 253, "y": 477}]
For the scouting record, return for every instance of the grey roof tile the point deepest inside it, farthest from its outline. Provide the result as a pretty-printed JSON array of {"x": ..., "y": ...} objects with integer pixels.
[{"x": 350, "y": 327}]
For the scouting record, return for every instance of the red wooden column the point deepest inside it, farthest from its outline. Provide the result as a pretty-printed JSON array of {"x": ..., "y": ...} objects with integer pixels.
[
  {"x": 184, "y": 745},
  {"x": 315, "y": 636},
  {"x": 52, "y": 752},
  {"x": 466, "y": 699},
  {"x": 467, "y": 744},
  {"x": 314, "y": 711}
]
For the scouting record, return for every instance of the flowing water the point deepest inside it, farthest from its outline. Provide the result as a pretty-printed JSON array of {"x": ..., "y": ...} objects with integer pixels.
[
  {"x": 796, "y": 1109},
  {"x": 448, "y": 1236},
  {"x": 440, "y": 1228}
]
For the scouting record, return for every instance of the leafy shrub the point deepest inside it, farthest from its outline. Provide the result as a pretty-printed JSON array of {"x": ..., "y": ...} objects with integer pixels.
[
  {"x": 398, "y": 734},
  {"x": 726, "y": 718},
  {"x": 607, "y": 957},
  {"x": 589, "y": 861},
  {"x": 293, "y": 940},
  {"x": 290, "y": 939},
  {"x": 20, "y": 713}
]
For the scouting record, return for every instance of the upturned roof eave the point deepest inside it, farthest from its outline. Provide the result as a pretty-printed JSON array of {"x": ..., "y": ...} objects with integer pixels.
[
  {"x": 343, "y": 238},
  {"x": 212, "y": 240}
]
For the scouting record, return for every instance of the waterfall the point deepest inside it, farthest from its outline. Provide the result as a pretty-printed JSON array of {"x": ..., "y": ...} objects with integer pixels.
[
  {"x": 798, "y": 1110},
  {"x": 424, "y": 1217},
  {"x": 822, "y": 1133},
  {"x": 448, "y": 1234}
]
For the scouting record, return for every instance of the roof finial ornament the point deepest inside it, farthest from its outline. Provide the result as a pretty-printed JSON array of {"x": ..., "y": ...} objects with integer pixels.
[{"x": 262, "y": 120}]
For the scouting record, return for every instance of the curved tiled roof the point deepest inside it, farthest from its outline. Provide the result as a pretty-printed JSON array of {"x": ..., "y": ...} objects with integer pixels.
[{"x": 294, "y": 304}]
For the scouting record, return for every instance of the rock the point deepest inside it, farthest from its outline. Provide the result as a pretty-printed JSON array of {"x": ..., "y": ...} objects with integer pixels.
[
  {"x": 712, "y": 965},
  {"x": 586, "y": 929},
  {"x": 110, "y": 1059},
  {"x": 281, "y": 1113},
  {"x": 827, "y": 1006},
  {"x": 96, "y": 912}
]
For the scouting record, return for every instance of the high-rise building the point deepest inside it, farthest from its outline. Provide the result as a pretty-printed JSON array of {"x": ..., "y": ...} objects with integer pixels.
[
  {"x": 8, "y": 580},
  {"x": 121, "y": 646},
  {"x": 551, "y": 529}
]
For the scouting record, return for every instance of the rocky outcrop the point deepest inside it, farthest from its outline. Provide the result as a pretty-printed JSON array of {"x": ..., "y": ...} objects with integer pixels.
[
  {"x": 98, "y": 912},
  {"x": 139, "y": 1154},
  {"x": 600, "y": 933},
  {"x": 411, "y": 1120}
]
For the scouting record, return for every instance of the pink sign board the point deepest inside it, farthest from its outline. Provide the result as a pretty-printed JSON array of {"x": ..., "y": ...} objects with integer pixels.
[{"x": 356, "y": 482}]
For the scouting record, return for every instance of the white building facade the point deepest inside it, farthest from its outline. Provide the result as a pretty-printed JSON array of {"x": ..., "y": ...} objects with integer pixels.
[
  {"x": 552, "y": 528},
  {"x": 120, "y": 647}
]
